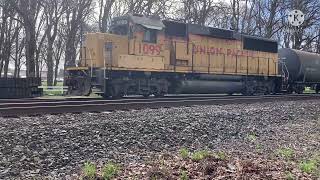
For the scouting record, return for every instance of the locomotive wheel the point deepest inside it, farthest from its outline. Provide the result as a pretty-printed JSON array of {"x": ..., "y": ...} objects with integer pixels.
[
  {"x": 113, "y": 93},
  {"x": 267, "y": 91},
  {"x": 248, "y": 91},
  {"x": 159, "y": 94}
]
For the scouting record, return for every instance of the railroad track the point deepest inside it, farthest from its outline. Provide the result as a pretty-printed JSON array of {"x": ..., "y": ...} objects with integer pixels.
[{"x": 37, "y": 107}]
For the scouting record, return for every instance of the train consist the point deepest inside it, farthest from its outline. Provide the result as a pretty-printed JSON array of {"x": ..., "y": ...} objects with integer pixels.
[{"x": 145, "y": 55}]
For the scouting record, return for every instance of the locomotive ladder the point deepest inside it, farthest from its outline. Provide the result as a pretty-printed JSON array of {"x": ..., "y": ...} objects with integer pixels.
[{"x": 284, "y": 74}]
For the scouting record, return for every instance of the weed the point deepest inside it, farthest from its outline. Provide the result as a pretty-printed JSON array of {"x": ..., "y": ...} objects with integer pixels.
[
  {"x": 252, "y": 137},
  {"x": 184, "y": 175},
  {"x": 89, "y": 170},
  {"x": 259, "y": 147},
  {"x": 222, "y": 155},
  {"x": 316, "y": 157},
  {"x": 286, "y": 153},
  {"x": 290, "y": 117},
  {"x": 184, "y": 153},
  {"x": 158, "y": 173},
  {"x": 109, "y": 171},
  {"x": 308, "y": 166},
  {"x": 289, "y": 176},
  {"x": 199, "y": 155}
]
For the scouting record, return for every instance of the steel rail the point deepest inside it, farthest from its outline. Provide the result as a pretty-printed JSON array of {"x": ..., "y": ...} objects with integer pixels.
[
  {"x": 126, "y": 98},
  {"x": 98, "y": 106},
  {"x": 103, "y": 101}
]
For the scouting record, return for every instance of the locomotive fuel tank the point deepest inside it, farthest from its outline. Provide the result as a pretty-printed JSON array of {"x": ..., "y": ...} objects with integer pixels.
[
  {"x": 210, "y": 87},
  {"x": 211, "y": 84},
  {"x": 302, "y": 66}
]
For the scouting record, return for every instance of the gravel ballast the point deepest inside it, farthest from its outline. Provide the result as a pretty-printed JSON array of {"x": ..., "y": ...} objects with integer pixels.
[{"x": 55, "y": 146}]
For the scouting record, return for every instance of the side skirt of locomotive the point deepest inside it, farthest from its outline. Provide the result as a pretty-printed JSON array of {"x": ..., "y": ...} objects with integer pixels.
[
  {"x": 116, "y": 83},
  {"x": 120, "y": 83}
]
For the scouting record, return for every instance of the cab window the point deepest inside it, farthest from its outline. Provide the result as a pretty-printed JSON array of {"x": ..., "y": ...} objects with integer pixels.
[{"x": 150, "y": 35}]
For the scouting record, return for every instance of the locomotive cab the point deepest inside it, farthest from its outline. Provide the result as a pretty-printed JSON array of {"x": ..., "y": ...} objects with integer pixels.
[{"x": 120, "y": 49}]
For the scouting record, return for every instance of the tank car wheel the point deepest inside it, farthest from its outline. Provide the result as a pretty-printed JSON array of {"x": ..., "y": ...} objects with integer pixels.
[
  {"x": 159, "y": 94},
  {"x": 299, "y": 90},
  {"x": 145, "y": 95}
]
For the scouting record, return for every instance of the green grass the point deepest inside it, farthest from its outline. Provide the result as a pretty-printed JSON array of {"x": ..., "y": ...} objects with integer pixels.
[
  {"x": 200, "y": 155},
  {"x": 289, "y": 176},
  {"x": 286, "y": 153},
  {"x": 59, "y": 83},
  {"x": 309, "y": 166},
  {"x": 259, "y": 147},
  {"x": 52, "y": 92},
  {"x": 222, "y": 155},
  {"x": 184, "y": 153},
  {"x": 109, "y": 171},
  {"x": 89, "y": 170},
  {"x": 184, "y": 175},
  {"x": 309, "y": 90},
  {"x": 252, "y": 137}
]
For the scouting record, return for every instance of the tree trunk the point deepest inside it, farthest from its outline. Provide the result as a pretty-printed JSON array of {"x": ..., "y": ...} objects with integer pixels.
[
  {"x": 50, "y": 63},
  {"x": 30, "y": 47},
  {"x": 70, "y": 54},
  {"x": 56, "y": 69}
]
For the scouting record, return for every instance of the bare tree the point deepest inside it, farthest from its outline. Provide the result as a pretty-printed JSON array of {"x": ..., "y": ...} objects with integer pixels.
[
  {"x": 304, "y": 35},
  {"x": 59, "y": 47},
  {"x": 198, "y": 12},
  {"x": 105, "y": 7},
  {"x": 18, "y": 52},
  {"x": 76, "y": 13},
  {"x": 53, "y": 10},
  {"x": 28, "y": 11}
]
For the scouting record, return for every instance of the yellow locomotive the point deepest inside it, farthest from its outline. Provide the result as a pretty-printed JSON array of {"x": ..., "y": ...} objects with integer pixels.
[{"x": 145, "y": 55}]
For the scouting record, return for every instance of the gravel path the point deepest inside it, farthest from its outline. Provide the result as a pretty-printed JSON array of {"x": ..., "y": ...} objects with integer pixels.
[{"x": 56, "y": 146}]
